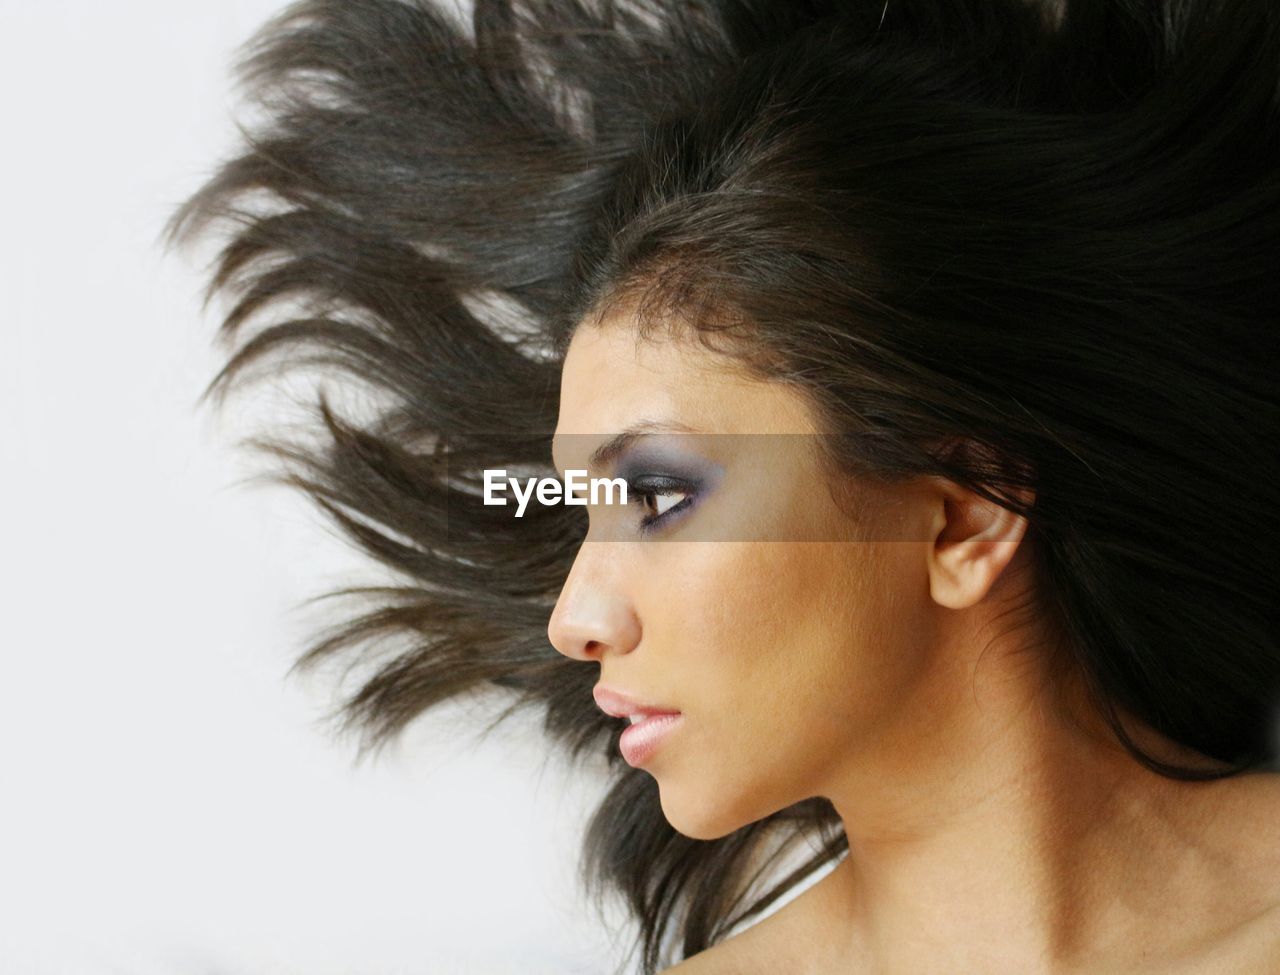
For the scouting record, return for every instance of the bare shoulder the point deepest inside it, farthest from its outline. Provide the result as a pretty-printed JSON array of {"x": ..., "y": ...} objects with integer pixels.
[
  {"x": 1253, "y": 948},
  {"x": 755, "y": 951},
  {"x": 775, "y": 944},
  {"x": 1257, "y": 940},
  {"x": 721, "y": 959},
  {"x": 1252, "y": 945},
  {"x": 1255, "y": 825}
]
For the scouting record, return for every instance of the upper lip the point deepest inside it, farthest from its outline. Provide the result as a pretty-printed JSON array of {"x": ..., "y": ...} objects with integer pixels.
[{"x": 619, "y": 705}]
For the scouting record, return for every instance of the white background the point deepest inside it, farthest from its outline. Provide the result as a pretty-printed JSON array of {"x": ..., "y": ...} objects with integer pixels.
[{"x": 169, "y": 802}]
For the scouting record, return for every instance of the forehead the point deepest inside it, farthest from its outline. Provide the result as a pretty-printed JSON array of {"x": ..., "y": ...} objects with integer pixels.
[{"x": 612, "y": 378}]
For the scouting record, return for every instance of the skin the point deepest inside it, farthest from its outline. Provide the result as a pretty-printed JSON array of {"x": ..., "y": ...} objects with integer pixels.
[{"x": 887, "y": 655}]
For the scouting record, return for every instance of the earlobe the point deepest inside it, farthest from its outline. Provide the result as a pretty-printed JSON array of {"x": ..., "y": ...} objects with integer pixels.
[{"x": 975, "y": 540}]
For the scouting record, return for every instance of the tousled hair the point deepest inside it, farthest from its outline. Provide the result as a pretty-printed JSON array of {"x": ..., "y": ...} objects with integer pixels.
[{"x": 1048, "y": 231}]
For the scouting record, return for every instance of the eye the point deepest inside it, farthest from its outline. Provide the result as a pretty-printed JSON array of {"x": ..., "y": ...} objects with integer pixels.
[{"x": 659, "y": 496}]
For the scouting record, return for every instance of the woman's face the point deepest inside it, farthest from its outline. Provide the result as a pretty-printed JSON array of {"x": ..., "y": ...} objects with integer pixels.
[{"x": 790, "y": 649}]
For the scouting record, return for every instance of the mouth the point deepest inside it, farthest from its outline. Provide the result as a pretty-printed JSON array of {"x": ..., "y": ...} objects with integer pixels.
[
  {"x": 619, "y": 705},
  {"x": 648, "y": 723},
  {"x": 641, "y": 739}
]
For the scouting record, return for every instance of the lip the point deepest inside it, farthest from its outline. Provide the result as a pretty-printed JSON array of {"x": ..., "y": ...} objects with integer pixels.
[
  {"x": 619, "y": 705},
  {"x": 640, "y": 740}
]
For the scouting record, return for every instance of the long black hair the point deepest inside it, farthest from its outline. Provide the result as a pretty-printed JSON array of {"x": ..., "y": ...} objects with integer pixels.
[{"x": 1050, "y": 230}]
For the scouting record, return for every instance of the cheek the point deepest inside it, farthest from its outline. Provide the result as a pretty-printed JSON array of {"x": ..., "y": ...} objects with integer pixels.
[
  {"x": 821, "y": 644},
  {"x": 788, "y": 659},
  {"x": 792, "y": 648},
  {"x": 862, "y": 636}
]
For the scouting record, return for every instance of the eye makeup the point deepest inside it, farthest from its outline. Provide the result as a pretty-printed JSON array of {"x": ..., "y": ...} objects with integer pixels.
[
  {"x": 666, "y": 481},
  {"x": 657, "y": 493}
]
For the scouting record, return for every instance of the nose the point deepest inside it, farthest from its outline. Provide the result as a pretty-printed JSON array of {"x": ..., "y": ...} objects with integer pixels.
[{"x": 593, "y": 615}]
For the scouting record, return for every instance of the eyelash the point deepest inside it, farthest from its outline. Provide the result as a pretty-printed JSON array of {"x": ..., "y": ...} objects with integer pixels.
[{"x": 645, "y": 489}]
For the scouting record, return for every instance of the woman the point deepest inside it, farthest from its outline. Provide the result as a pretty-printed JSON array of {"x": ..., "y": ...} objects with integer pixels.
[{"x": 936, "y": 343}]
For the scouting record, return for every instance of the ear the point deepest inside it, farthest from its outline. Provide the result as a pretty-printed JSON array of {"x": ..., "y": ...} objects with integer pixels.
[{"x": 973, "y": 540}]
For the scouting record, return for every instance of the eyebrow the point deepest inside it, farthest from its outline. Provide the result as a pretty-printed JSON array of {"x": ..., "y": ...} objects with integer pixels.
[{"x": 620, "y": 443}]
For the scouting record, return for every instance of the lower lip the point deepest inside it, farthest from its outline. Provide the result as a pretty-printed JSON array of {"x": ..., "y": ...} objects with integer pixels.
[{"x": 641, "y": 740}]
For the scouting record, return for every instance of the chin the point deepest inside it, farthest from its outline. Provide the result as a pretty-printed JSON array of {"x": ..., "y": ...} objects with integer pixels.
[{"x": 701, "y": 816}]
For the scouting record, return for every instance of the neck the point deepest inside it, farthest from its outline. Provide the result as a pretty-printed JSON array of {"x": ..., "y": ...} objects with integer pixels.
[{"x": 1000, "y": 827}]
